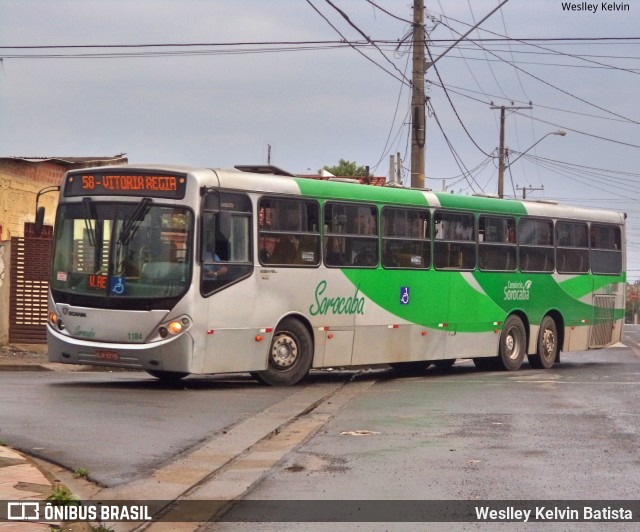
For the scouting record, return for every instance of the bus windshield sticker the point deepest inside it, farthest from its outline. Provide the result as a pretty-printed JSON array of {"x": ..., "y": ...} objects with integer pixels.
[
  {"x": 156, "y": 185},
  {"x": 117, "y": 285}
]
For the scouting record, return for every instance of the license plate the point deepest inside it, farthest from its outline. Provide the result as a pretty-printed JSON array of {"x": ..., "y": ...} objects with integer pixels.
[{"x": 103, "y": 354}]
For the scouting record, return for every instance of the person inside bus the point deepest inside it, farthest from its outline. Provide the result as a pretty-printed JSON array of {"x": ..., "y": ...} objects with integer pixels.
[
  {"x": 211, "y": 254},
  {"x": 213, "y": 271}
]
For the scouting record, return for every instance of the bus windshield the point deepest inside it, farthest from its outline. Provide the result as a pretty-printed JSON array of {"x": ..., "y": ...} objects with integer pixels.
[{"x": 122, "y": 251}]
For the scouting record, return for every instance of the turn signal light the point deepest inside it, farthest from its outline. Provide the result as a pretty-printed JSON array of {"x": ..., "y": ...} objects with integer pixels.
[{"x": 174, "y": 327}]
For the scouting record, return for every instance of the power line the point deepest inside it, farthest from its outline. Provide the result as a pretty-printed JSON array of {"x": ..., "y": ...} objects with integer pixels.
[
  {"x": 622, "y": 143},
  {"x": 453, "y": 106},
  {"x": 567, "y": 93},
  {"x": 389, "y": 13},
  {"x": 456, "y": 90},
  {"x": 546, "y": 49},
  {"x": 401, "y": 80},
  {"x": 456, "y": 157},
  {"x": 367, "y": 38},
  {"x": 521, "y": 40}
]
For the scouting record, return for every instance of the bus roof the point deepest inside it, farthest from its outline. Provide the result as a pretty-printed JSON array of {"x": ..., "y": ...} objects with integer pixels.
[{"x": 269, "y": 183}]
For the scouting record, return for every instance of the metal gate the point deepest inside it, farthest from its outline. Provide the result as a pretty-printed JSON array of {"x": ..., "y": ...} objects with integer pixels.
[
  {"x": 604, "y": 320},
  {"x": 30, "y": 258}
]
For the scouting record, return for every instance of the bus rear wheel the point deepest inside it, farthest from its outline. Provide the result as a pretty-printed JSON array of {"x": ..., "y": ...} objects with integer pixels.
[
  {"x": 548, "y": 347},
  {"x": 290, "y": 355},
  {"x": 513, "y": 341}
]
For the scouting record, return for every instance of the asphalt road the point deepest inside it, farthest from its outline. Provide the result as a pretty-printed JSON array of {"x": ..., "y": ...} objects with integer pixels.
[
  {"x": 119, "y": 426},
  {"x": 569, "y": 433}
]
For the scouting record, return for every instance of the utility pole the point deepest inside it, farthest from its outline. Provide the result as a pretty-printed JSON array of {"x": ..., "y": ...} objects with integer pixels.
[
  {"x": 501, "y": 157},
  {"x": 398, "y": 168},
  {"x": 392, "y": 170},
  {"x": 418, "y": 126},
  {"x": 524, "y": 190}
]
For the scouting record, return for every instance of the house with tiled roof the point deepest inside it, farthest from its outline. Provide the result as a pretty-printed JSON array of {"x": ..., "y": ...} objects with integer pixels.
[{"x": 21, "y": 178}]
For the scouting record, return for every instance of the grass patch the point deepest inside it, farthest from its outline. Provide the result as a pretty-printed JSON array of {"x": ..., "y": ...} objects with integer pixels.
[{"x": 81, "y": 472}]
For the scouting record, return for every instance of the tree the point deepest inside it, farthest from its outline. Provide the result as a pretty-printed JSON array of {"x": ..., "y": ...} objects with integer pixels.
[{"x": 347, "y": 168}]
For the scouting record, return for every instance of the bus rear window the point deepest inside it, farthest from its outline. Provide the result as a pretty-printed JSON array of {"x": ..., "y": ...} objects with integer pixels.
[{"x": 606, "y": 249}]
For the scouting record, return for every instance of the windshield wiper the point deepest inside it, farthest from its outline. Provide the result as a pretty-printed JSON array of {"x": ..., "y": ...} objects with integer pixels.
[
  {"x": 131, "y": 225},
  {"x": 88, "y": 216}
]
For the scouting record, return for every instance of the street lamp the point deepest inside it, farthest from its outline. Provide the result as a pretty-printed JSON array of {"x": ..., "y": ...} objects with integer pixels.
[{"x": 502, "y": 167}]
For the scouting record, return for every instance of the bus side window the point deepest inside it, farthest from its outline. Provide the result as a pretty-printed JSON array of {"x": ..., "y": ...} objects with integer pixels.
[
  {"x": 405, "y": 238},
  {"x": 572, "y": 252},
  {"x": 536, "y": 239},
  {"x": 289, "y": 232},
  {"x": 351, "y": 235},
  {"x": 455, "y": 246},
  {"x": 497, "y": 249}
]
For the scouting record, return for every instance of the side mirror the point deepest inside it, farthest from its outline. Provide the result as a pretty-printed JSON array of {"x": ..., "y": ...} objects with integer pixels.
[{"x": 39, "y": 220}]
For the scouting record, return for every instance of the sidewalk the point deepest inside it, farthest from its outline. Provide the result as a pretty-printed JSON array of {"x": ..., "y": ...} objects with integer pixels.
[
  {"x": 22, "y": 480},
  {"x": 24, "y": 357},
  {"x": 33, "y": 357}
]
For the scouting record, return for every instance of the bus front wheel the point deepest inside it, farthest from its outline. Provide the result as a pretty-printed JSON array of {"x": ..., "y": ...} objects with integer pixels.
[
  {"x": 547, "y": 352},
  {"x": 290, "y": 355},
  {"x": 513, "y": 341}
]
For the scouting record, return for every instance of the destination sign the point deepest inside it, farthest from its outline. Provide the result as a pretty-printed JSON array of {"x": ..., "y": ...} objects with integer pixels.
[{"x": 157, "y": 185}]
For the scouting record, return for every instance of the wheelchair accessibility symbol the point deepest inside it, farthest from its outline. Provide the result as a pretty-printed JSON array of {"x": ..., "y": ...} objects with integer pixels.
[
  {"x": 117, "y": 285},
  {"x": 404, "y": 295}
]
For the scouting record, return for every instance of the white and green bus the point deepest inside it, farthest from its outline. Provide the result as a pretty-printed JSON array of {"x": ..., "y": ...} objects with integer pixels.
[{"x": 180, "y": 271}]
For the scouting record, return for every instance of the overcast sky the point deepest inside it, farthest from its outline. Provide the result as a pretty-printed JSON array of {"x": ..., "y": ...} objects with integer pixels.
[{"x": 315, "y": 106}]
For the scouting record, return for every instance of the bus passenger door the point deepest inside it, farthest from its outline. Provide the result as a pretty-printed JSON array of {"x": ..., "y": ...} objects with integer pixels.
[{"x": 468, "y": 330}]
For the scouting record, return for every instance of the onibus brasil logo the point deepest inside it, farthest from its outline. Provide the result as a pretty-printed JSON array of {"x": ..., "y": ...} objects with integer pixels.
[
  {"x": 517, "y": 290},
  {"x": 335, "y": 305}
]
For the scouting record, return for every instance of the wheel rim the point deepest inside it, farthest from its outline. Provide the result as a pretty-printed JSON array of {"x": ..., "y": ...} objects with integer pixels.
[
  {"x": 548, "y": 344},
  {"x": 284, "y": 351},
  {"x": 512, "y": 344}
]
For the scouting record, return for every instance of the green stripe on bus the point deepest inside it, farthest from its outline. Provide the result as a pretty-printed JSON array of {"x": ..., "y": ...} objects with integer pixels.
[
  {"x": 470, "y": 310},
  {"x": 347, "y": 191},
  {"x": 475, "y": 203}
]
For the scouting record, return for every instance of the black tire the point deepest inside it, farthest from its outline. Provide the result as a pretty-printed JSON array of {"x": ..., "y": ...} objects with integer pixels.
[
  {"x": 290, "y": 355},
  {"x": 169, "y": 377},
  {"x": 513, "y": 344},
  {"x": 548, "y": 347},
  {"x": 411, "y": 368},
  {"x": 444, "y": 364},
  {"x": 487, "y": 363}
]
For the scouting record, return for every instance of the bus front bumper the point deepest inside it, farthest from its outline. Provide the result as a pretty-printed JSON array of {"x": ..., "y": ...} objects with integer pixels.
[{"x": 172, "y": 354}]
